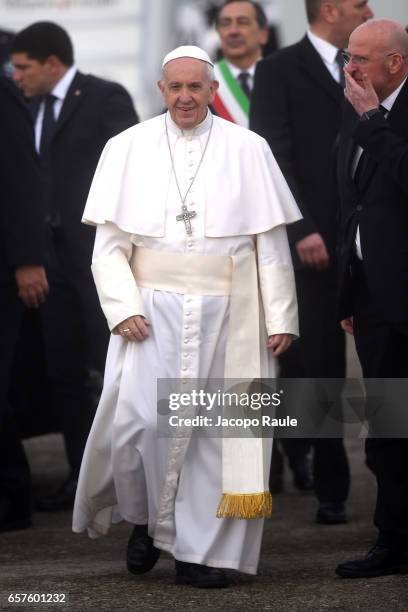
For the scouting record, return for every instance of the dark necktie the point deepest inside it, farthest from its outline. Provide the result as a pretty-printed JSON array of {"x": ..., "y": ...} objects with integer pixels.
[
  {"x": 48, "y": 125},
  {"x": 364, "y": 161},
  {"x": 340, "y": 63},
  {"x": 47, "y": 133},
  {"x": 243, "y": 79}
]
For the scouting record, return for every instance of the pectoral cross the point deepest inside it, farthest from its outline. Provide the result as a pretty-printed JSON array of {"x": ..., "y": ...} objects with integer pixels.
[{"x": 185, "y": 216}]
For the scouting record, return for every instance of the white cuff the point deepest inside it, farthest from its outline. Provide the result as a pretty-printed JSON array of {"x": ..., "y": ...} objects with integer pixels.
[{"x": 278, "y": 289}]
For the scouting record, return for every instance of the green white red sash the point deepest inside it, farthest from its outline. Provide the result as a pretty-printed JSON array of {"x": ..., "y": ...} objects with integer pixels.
[{"x": 230, "y": 101}]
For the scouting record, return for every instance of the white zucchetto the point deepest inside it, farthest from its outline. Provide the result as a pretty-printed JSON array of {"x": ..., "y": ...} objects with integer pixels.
[{"x": 187, "y": 51}]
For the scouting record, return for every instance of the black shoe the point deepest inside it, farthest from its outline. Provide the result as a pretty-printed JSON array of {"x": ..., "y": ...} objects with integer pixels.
[
  {"x": 331, "y": 514},
  {"x": 63, "y": 498},
  {"x": 11, "y": 518},
  {"x": 141, "y": 555},
  {"x": 379, "y": 561},
  {"x": 302, "y": 476},
  {"x": 200, "y": 576}
]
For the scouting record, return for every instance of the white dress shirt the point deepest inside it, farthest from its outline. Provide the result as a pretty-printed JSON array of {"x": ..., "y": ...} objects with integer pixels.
[
  {"x": 327, "y": 52},
  {"x": 59, "y": 91}
]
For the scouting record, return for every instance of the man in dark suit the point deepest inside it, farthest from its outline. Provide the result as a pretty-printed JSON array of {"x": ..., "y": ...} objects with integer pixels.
[
  {"x": 373, "y": 181},
  {"x": 23, "y": 283},
  {"x": 297, "y": 105},
  {"x": 74, "y": 115}
]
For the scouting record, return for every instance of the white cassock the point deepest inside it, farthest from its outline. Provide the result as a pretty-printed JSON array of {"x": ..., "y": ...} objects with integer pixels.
[{"x": 242, "y": 204}]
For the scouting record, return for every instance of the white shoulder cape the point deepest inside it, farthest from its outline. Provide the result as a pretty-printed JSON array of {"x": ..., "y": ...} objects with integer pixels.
[{"x": 246, "y": 192}]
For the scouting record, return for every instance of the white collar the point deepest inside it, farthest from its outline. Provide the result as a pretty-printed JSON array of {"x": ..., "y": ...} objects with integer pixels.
[
  {"x": 199, "y": 129},
  {"x": 61, "y": 88},
  {"x": 388, "y": 103},
  {"x": 326, "y": 50},
  {"x": 235, "y": 71}
]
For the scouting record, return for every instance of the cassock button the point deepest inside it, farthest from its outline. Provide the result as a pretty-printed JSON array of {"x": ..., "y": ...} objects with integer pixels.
[
  {"x": 188, "y": 314},
  {"x": 186, "y": 327},
  {"x": 359, "y": 208}
]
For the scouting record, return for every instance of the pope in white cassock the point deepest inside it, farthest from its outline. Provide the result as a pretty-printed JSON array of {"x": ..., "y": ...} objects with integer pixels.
[{"x": 194, "y": 275}]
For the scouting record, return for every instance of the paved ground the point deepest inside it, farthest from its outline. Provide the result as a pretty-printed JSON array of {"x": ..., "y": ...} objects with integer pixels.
[{"x": 296, "y": 571}]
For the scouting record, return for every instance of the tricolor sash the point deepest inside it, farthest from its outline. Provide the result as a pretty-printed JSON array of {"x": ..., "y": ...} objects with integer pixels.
[{"x": 230, "y": 101}]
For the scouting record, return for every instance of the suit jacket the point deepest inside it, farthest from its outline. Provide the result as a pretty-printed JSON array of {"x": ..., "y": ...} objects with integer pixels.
[
  {"x": 93, "y": 111},
  {"x": 379, "y": 208},
  {"x": 22, "y": 240},
  {"x": 296, "y": 106}
]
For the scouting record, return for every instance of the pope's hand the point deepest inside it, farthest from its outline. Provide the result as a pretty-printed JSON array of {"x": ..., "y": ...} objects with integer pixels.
[
  {"x": 279, "y": 343},
  {"x": 135, "y": 329},
  {"x": 347, "y": 325},
  {"x": 312, "y": 252},
  {"x": 32, "y": 285},
  {"x": 362, "y": 97}
]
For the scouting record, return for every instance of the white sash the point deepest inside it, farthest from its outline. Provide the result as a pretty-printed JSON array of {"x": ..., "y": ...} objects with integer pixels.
[{"x": 245, "y": 475}]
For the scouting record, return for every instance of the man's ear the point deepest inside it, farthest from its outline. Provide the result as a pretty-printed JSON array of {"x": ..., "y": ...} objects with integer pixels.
[
  {"x": 396, "y": 63},
  {"x": 329, "y": 11},
  {"x": 213, "y": 89},
  {"x": 214, "y": 86},
  {"x": 160, "y": 85},
  {"x": 53, "y": 62}
]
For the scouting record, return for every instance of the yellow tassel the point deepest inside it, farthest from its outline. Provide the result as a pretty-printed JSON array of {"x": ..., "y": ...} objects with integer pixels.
[{"x": 245, "y": 505}]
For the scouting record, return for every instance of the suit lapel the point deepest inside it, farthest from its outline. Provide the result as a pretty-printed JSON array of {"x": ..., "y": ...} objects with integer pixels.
[
  {"x": 313, "y": 64},
  {"x": 350, "y": 147},
  {"x": 73, "y": 98},
  {"x": 33, "y": 106}
]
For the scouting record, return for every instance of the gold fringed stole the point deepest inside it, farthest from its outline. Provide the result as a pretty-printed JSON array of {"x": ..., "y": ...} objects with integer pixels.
[{"x": 245, "y": 505}]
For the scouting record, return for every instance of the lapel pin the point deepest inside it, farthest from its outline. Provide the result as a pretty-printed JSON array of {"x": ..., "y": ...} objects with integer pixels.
[{"x": 77, "y": 92}]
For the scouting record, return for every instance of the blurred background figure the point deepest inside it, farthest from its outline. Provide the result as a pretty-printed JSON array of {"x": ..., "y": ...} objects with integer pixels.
[
  {"x": 242, "y": 28},
  {"x": 297, "y": 106},
  {"x": 195, "y": 20},
  {"x": 23, "y": 284},
  {"x": 74, "y": 115}
]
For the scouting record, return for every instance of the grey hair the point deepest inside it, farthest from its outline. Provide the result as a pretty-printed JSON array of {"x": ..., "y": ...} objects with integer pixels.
[{"x": 210, "y": 72}]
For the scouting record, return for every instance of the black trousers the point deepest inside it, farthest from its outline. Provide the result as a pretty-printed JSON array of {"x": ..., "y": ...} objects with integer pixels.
[
  {"x": 382, "y": 348},
  {"x": 76, "y": 339},
  {"x": 319, "y": 353},
  {"x": 14, "y": 469}
]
